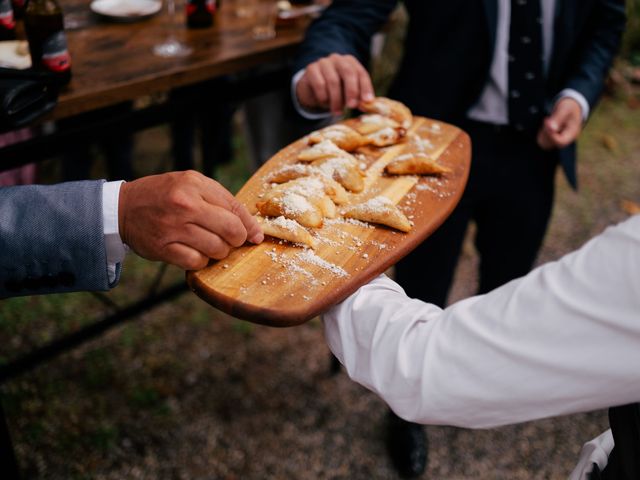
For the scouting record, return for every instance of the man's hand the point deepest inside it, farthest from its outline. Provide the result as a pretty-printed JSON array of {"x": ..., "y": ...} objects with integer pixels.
[
  {"x": 183, "y": 218},
  {"x": 562, "y": 127},
  {"x": 334, "y": 82}
]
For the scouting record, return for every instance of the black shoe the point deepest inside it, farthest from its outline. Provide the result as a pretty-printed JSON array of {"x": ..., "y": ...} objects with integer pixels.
[{"x": 407, "y": 445}]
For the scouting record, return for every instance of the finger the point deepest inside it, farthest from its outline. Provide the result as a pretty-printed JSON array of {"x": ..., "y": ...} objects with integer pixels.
[
  {"x": 366, "y": 86},
  {"x": 220, "y": 196},
  {"x": 184, "y": 257},
  {"x": 204, "y": 241},
  {"x": 306, "y": 95},
  {"x": 334, "y": 85},
  {"x": 544, "y": 142},
  {"x": 348, "y": 72},
  {"x": 221, "y": 221},
  {"x": 318, "y": 84},
  {"x": 254, "y": 231},
  {"x": 567, "y": 135}
]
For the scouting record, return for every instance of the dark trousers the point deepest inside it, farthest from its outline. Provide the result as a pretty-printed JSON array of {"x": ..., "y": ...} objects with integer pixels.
[{"x": 509, "y": 196}]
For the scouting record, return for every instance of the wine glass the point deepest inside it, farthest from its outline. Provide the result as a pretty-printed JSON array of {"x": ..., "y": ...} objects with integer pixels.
[{"x": 171, "y": 47}]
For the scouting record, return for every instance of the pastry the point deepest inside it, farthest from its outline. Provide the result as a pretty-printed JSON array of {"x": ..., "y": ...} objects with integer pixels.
[
  {"x": 389, "y": 108},
  {"x": 292, "y": 206},
  {"x": 333, "y": 189},
  {"x": 311, "y": 188},
  {"x": 286, "y": 229},
  {"x": 415, "y": 164},
  {"x": 342, "y": 136},
  {"x": 370, "y": 123},
  {"x": 344, "y": 170},
  {"x": 378, "y": 210},
  {"x": 385, "y": 137},
  {"x": 323, "y": 149}
]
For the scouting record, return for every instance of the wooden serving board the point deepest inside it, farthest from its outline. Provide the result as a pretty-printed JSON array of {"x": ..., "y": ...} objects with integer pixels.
[{"x": 280, "y": 284}]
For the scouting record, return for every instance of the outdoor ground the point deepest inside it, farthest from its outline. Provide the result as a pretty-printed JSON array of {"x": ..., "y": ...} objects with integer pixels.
[{"x": 186, "y": 392}]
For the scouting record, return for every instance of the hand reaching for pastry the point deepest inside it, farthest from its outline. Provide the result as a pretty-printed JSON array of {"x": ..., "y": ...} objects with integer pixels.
[
  {"x": 183, "y": 218},
  {"x": 333, "y": 83},
  {"x": 562, "y": 127}
]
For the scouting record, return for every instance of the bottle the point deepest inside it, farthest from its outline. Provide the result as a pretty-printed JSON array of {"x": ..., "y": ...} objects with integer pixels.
[
  {"x": 44, "y": 26},
  {"x": 7, "y": 23},
  {"x": 19, "y": 7},
  {"x": 200, "y": 13}
]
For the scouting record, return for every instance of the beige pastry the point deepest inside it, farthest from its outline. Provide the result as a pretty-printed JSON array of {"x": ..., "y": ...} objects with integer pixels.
[
  {"x": 389, "y": 108},
  {"x": 342, "y": 136},
  {"x": 286, "y": 229},
  {"x": 370, "y": 123},
  {"x": 344, "y": 170},
  {"x": 324, "y": 149},
  {"x": 291, "y": 172},
  {"x": 292, "y": 206},
  {"x": 378, "y": 210},
  {"x": 311, "y": 188},
  {"x": 333, "y": 189},
  {"x": 415, "y": 164},
  {"x": 385, "y": 137}
]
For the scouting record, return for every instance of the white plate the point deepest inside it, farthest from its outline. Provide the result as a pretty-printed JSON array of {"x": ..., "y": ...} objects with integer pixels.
[{"x": 126, "y": 10}]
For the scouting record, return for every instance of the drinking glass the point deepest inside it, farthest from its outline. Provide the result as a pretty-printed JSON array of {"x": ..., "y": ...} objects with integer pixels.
[
  {"x": 264, "y": 26},
  {"x": 171, "y": 47}
]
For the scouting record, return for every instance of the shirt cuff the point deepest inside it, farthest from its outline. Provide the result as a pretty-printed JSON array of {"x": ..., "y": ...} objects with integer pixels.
[
  {"x": 596, "y": 452},
  {"x": 115, "y": 249},
  {"x": 308, "y": 114},
  {"x": 578, "y": 97}
]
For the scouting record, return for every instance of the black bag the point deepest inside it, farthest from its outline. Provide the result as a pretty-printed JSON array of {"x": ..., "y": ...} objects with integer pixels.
[{"x": 25, "y": 95}]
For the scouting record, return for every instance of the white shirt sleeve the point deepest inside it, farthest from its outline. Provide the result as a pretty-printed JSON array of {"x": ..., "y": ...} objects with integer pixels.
[
  {"x": 308, "y": 114},
  {"x": 563, "y": 339},
  {"x": 594, "y": 451},
  {"x": 578, "y": 97},
  {"x": 115, "y": 249}
]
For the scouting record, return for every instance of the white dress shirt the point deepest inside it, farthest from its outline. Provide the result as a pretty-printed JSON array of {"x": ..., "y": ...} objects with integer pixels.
[
  {"x": 492, "y": 105},
  {"x": 563, "y": 339},
  {"x": 115, "y": 249}
]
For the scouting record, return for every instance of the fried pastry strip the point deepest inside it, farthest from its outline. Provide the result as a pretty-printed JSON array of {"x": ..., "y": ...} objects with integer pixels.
[
  {"x": 292, "y": 206},
  {"x": 342, "y": 136},
  {"x": 389, "y": 108},
  {"x": 378, "y": 210},
  {"x": 415, "y": 164},
  {"x": 286, "y": 229}
]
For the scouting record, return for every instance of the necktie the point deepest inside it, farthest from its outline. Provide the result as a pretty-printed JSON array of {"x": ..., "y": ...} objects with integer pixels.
[{"x": 526, "y": 82}]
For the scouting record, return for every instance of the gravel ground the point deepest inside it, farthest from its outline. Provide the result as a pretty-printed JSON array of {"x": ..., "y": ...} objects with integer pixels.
[{"x": 185, "y": 392}]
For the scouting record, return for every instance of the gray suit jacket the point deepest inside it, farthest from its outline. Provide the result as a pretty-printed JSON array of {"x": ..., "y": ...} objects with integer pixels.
[{"x": 52, "y": 239}]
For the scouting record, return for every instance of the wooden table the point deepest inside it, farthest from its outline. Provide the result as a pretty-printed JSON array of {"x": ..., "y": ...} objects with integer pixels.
[{"x": 114, "y": 62}]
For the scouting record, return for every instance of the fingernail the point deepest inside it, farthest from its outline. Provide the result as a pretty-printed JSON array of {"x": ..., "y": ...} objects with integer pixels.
[
  {"x": 367, "y": 97},
  {"x": 257, "y": 238},
  {"x": 352, "y": 103}
]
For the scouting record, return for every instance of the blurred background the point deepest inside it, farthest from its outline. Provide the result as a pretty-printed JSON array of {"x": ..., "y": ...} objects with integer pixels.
[{"x": 187, "y": 392}]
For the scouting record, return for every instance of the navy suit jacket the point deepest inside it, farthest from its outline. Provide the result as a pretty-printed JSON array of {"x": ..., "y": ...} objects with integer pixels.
[
  {"x": 52, "y": 239},
  {"x": 449, "y": 49}
]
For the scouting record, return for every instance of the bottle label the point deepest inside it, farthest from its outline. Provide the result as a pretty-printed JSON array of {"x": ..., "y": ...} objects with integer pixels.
[
  {"x": 209, "y": 5},
  {"x": 55, "y": 54},
  {"x": 6, "y": 15}
]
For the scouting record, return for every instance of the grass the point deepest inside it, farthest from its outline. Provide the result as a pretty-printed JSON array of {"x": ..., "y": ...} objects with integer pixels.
[{"x": 124, "y": 403}]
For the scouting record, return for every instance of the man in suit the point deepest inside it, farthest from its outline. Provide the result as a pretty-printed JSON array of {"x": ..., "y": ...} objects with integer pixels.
[
  {"x": 520, "y": 76},
  {"x": 72, "y": 236}
]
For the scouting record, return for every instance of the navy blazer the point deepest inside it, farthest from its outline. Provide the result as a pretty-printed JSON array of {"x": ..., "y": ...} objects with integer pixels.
[{"x": 449, "y": 49}]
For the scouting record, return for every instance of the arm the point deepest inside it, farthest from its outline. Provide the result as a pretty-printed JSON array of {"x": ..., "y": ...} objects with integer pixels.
[
  {"x": 329, "y": 69},
  {"x": 42, "y": 250},
  {"x": 563, "y": 339},
  {"x": 595, "y": 51},
  {"x": 52, "y": 238}
]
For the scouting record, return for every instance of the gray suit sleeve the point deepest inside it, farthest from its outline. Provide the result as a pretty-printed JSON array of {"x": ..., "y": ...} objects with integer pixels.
[{"x": 52, "y": 239}]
